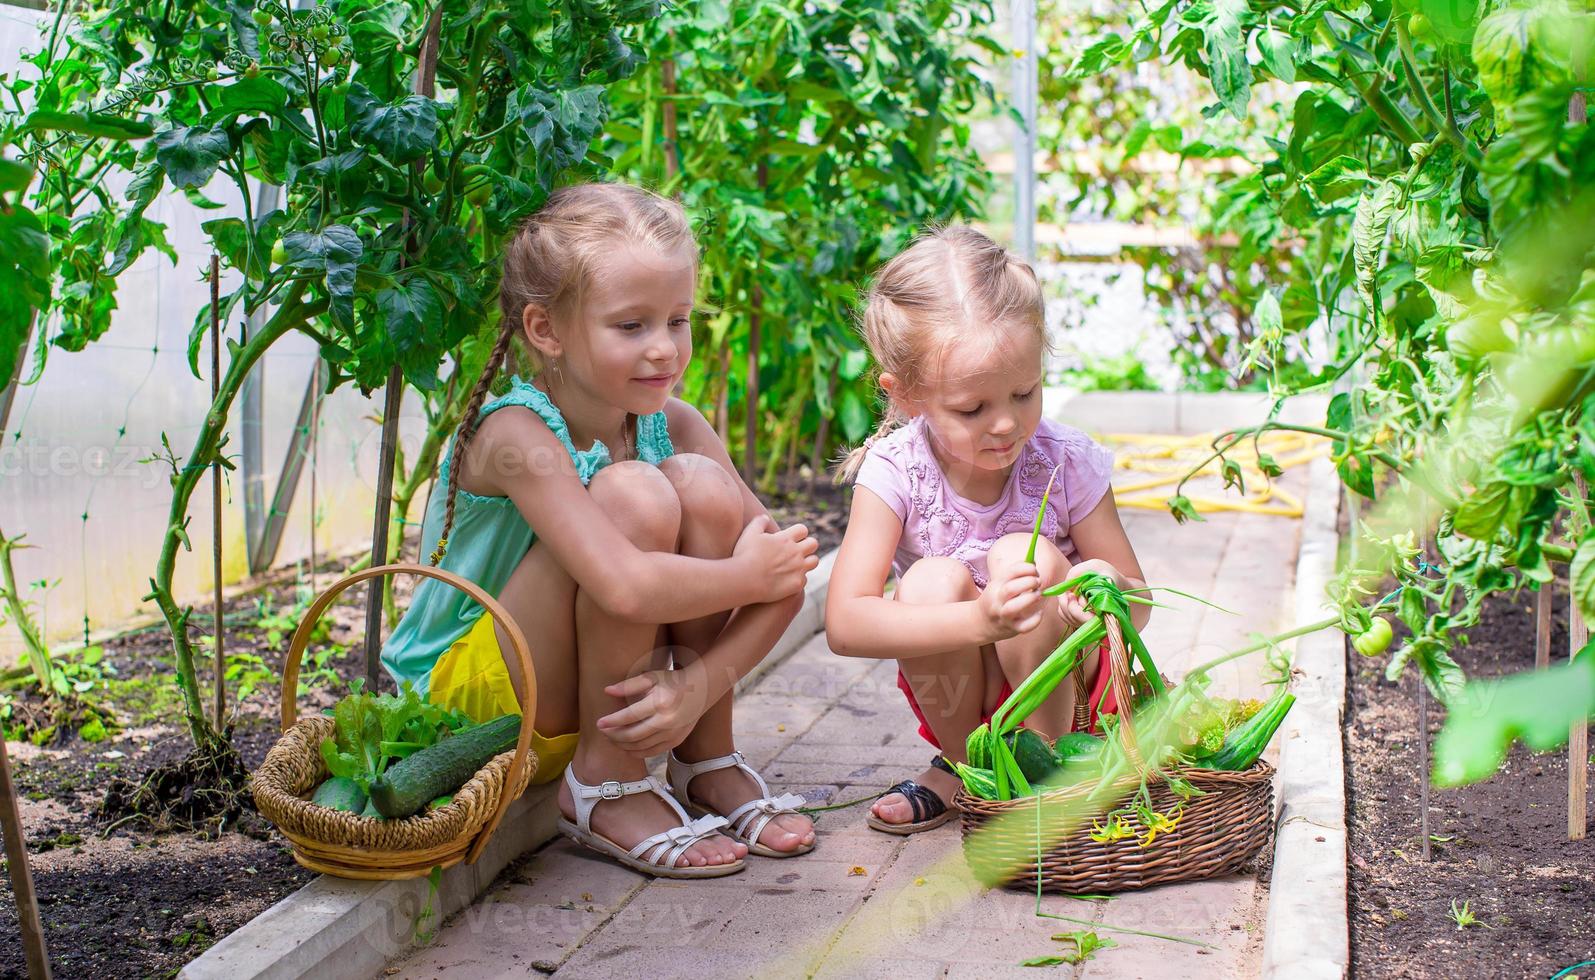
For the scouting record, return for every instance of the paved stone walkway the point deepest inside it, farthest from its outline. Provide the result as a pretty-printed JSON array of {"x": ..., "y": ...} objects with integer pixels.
[{"x": 866, "y": 904}]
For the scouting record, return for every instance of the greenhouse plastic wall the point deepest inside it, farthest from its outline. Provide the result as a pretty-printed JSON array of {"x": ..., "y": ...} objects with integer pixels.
[{"x": 72, "y": 475}]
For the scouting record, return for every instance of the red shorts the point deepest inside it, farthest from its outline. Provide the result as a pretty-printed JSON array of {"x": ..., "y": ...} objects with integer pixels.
[{"x": 1097, "y": 685}]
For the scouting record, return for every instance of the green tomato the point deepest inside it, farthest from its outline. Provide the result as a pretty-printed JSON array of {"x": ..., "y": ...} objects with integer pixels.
[
  {"x": 1475, "y": 337},
  {"x": 333, "y": 57},
  {"x": 479, "y": 193},
  {"x": 1418, "y": 25},
  {"x": 262, "y": 16},
  {"x": 1563, "y": 344},
  {"x": 212, "y": 74},
  {"x": 320, "y": 32},
  {"x": 279, "y": 253},
  {"x": 253, "y": 71},
  {"x": 431, "y": 182},
  {"x": 1377, "y": 638}
]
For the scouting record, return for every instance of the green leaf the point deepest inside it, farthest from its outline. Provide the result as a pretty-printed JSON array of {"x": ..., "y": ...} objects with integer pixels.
[
  {"x": 1228, "y": 68},
  {"x": 1339, "y": 177},
  {"x": 1483, "y": 512},
  {"x": 1453, "y": 20},
  {"x": 190, "y": 154},
  {"x": 1581, "y": 576},
  {"x": 336, "y": 250},
  {"x": 252, "y": 95},
  {"x": 1183, "y": 510},
  {"x": 402, "y": 132},
  {"x": 1540, "y": 707},
  {"x": 1368, "y": 234},
  {"x": 852, "y": 364},
  {"x": 1266, "y": 316},
  {"x": 1522, "y": 47},
  {"x": 854, "y": 416},
  {"x": 413, "y": 317},
  {"x": 14, "y": 176},
  {"x": 1279, "y": 53}
]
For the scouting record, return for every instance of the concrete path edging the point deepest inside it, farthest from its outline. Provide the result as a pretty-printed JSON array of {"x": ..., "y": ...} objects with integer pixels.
[
  {"x": 341, "y": 929},
  {"x": 1307, "y": 935}
]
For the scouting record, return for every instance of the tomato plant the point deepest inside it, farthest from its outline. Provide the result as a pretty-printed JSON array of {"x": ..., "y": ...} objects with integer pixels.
[
  {"x": 1427, "y": 197},
  {"x": 810, "y": 153},
  {"x": 381, "y": 266}
]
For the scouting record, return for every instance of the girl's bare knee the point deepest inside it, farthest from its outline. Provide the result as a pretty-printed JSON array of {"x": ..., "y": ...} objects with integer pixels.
[
  {"x": 936, "y": 579},
  {"x": 641, "y": 501},
  {"x": 711, "y": 500},
  {"x": 1010, "y": 549}
]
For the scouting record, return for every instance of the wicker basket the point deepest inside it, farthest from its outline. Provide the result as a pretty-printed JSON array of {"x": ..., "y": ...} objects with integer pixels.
[
  {"x": 1217, "y": 833},
  {"x": 350, "y": 846}
]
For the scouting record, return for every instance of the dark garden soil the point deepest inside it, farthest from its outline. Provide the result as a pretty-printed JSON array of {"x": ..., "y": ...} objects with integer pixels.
[
  {"x": 1500, "y": 846},
  {"x": 127, "y": 900}
]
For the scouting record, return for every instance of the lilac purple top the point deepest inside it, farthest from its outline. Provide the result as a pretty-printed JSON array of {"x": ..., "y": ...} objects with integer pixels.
[{"x": 901, "y": 470}]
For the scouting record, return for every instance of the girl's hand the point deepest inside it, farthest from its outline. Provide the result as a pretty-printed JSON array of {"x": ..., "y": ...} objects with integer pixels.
[
  {"x": 668, "y": 706},
  {"x": 1072, "y": 607},
  {"x": 1011, "y": 603},
  {"x": 781, "y": 558}
]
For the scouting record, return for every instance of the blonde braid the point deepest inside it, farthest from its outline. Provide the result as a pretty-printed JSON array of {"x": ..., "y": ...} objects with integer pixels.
[{"x": 468, "y": 426}]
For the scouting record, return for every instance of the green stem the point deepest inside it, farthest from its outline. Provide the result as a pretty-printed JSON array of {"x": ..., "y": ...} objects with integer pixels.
[
  {"x": 38, "y": 654},
  {"x": 1447, "y": 127},
  {"x": 1265, "y": 644},
  {"x": 206, "y": 450}
]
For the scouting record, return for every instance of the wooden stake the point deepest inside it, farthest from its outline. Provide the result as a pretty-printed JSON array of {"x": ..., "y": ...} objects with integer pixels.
[
  {"x": 315, "y": 414},
  {"x": 750, "y": 448},
  {"x": 667, "y": 72},
  {"x": 1423, "y": 762},
  {"x": 425, "y": 76},
  {"x": 1542, "y": 626},
  {"x": 216, "y": 489},
  {"x": 1430, "y": 554},
  {"x": 1578, "y": 738},
  {"x": 33, "y": 945}
]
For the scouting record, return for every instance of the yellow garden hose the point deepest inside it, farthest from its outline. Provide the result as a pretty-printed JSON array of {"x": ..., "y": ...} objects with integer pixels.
[{"x": 1165, "y": 459}]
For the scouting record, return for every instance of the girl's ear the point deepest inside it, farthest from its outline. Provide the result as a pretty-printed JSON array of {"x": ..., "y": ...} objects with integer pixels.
[
  {"x": 906, "y": 407},
  {"x": 539, "y": 331}
]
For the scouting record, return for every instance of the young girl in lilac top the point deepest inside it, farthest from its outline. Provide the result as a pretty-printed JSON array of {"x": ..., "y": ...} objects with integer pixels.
[{"x": 947, "y": 493}]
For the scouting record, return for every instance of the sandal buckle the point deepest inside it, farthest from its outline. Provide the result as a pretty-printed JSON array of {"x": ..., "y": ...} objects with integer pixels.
[{"x": 611, "y": 790}]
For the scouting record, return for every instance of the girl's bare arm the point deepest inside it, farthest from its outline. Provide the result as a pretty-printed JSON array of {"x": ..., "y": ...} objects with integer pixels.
[
  {"x": 514, "y": 454},
  {"x": 860, "y": 622},
  {"x": 1099, "y": 536}
]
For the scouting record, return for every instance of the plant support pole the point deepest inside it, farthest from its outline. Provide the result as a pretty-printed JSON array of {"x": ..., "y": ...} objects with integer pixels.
[
  {"x": 1578, "y": 738},
  {"x": 1024, "y": 139},
  {"x": 216, "y": 488},
  {"x": 424, "y": 76},
  {"x": 1542, "y": 627},
  {"x": 33, "y": 945}
]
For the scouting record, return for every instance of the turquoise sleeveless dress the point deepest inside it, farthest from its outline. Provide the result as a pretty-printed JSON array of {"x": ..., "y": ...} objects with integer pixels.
[{"x": 488, "y": 540}]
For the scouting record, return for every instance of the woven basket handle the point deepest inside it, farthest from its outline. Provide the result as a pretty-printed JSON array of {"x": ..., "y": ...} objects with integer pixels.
[
  {"x": 525, "y": 692},
  {"x": 1123, "y": 694}
]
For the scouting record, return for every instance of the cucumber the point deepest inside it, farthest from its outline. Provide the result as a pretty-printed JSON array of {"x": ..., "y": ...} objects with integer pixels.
[
  {"x": 1245, "y": 743},
  {"x": 981, "y": 783},
  {"x": 1073, "y": 744},
  {"x": 439, "y": 770},
  {"x": 340, "y": 793},
  {"x": 1032, "y": 753},
  {"x": 977, "y": 747}
]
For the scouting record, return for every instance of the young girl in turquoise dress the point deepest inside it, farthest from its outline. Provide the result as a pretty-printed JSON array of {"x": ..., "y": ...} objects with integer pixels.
[{"x": 607, "y": 518}]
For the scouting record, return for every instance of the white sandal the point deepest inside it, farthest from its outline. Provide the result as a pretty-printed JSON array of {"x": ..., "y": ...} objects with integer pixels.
[
  {"x": 655, "y": 855},
  {"x": 747, "y": 821}
]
